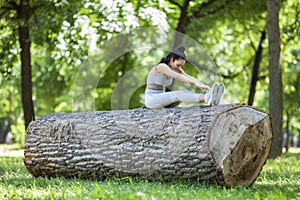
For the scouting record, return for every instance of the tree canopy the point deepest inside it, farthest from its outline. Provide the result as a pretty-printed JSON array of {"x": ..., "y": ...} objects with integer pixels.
[{"x": 95, "y": 55}]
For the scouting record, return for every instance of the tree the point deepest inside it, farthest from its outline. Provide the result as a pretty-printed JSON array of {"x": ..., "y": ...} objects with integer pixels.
[
  {"x": 275, "y": 75},
  {"x": 290, "y": 31},
  {"x": 4, "y": 129},
  {"x": 256, "y": 66},
  {"x": 291, "y": 95},
  {"x": 21, "y": 14},
  {"x": 24, "y": 16}
]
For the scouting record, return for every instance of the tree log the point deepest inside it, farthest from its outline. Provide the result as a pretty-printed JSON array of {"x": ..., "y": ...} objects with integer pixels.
[{"x": 226, "y": 144}]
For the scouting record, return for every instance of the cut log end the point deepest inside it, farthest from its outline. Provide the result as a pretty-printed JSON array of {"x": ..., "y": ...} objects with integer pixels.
[{"x": 240, "y": 141}]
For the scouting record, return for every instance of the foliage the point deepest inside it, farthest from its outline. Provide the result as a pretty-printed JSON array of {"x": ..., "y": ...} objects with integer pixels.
[
  {"x": 231, "y": 38},
  {"x": 57, "y": 47},
  {"x": 278, "y": 180},
  {"x": 84, "y": 51},
  {"x": 290, "y": 62}
]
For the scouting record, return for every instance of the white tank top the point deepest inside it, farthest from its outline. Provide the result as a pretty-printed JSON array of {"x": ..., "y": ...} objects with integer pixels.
[{"x": 158, "y": 81}]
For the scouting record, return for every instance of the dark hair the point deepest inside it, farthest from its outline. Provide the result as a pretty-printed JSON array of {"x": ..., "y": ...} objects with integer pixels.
[{"x": 176, "y": 54}]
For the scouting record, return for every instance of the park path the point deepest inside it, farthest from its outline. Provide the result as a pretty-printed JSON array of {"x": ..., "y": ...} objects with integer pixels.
[{"x": 5, "y": 150}]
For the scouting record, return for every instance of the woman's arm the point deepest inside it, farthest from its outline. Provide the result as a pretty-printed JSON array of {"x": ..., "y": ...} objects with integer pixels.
[
  {"x": 203, "y": 86},
  {"x": 165, "y": 69}
]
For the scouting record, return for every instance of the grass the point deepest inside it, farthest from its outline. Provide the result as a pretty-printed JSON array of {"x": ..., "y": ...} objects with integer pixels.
[{"x": 280, "y": 179}]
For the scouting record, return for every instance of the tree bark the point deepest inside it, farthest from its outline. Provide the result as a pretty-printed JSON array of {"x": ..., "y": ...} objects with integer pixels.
[
  {"x": 275, "y": 76},
  {"x": 26, "y": 82},
  {"x": 226, "y": 144}
]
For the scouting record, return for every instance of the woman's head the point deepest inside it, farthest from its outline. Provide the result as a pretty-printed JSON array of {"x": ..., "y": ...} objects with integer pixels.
[{"x": 177, "y": 55}]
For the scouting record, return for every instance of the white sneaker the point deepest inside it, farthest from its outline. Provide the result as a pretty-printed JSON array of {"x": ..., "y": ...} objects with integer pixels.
[
  {"x": 218, "y": 93},
  {"x": 207, "y": 97},
  {"x": 210, "y": 95},
  {"x": 214, "y": 93}
]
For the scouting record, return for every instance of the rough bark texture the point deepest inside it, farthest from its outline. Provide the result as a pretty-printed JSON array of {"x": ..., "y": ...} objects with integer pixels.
[
  {"x": 168, "y": 144},
  {"x": 275, "y": 76}
]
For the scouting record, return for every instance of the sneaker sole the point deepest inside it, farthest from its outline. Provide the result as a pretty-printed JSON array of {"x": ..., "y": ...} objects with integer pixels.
[
  {"x": 214, "y": 94},
  {"x": 220, "y": 91}
]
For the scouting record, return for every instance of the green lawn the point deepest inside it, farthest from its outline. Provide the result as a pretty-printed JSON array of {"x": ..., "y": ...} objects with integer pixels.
[{"x": 280, "y": 179}]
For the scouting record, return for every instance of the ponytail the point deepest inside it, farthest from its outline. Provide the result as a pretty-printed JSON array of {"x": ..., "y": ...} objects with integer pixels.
[{"x": 166, "y": 59}]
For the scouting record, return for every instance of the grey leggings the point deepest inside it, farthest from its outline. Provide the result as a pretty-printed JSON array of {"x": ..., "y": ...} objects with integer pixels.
[{"x": 160, "y": 99}]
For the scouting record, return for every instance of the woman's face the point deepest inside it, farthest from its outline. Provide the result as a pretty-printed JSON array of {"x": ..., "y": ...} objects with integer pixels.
[{"x": 176, "y": 64}]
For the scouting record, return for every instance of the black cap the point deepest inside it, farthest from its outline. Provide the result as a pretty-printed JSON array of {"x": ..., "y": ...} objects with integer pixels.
[{"x": 180, "y": 52}]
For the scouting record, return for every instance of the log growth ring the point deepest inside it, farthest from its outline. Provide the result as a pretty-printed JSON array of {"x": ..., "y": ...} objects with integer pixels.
[{"x": 241, "y": 160}]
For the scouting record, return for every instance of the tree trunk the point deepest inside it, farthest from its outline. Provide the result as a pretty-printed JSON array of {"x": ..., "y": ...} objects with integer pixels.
[
  {"x": 4, "y": 129},
  {"x": 225, "y": 144},
  {"x": 287, "y": 129},
  {"x": 182, "y": 23},
  {"x": 26, "y": 82},
  {"x": 275, "y": 76},
  {"x": 255, "y": 71}
]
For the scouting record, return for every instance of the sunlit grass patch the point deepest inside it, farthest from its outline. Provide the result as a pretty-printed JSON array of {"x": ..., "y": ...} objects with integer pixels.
[{"x": 280, "y": 179}]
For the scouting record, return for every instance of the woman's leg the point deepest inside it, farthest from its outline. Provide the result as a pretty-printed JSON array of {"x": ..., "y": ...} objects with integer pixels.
[{"x": 164, "y": 99}]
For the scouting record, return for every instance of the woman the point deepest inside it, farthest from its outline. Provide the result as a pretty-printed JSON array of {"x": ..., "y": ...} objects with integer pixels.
[{"x": 162, "y": 75}]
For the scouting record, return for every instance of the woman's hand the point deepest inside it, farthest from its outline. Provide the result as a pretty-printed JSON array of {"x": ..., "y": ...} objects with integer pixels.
[{"x": 202, "y": 86}]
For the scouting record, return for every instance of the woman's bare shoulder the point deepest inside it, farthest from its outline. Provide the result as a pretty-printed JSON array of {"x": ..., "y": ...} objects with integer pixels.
[
  {"x": 162, "y": 67},
  {"x": 159, "y": 68}
]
